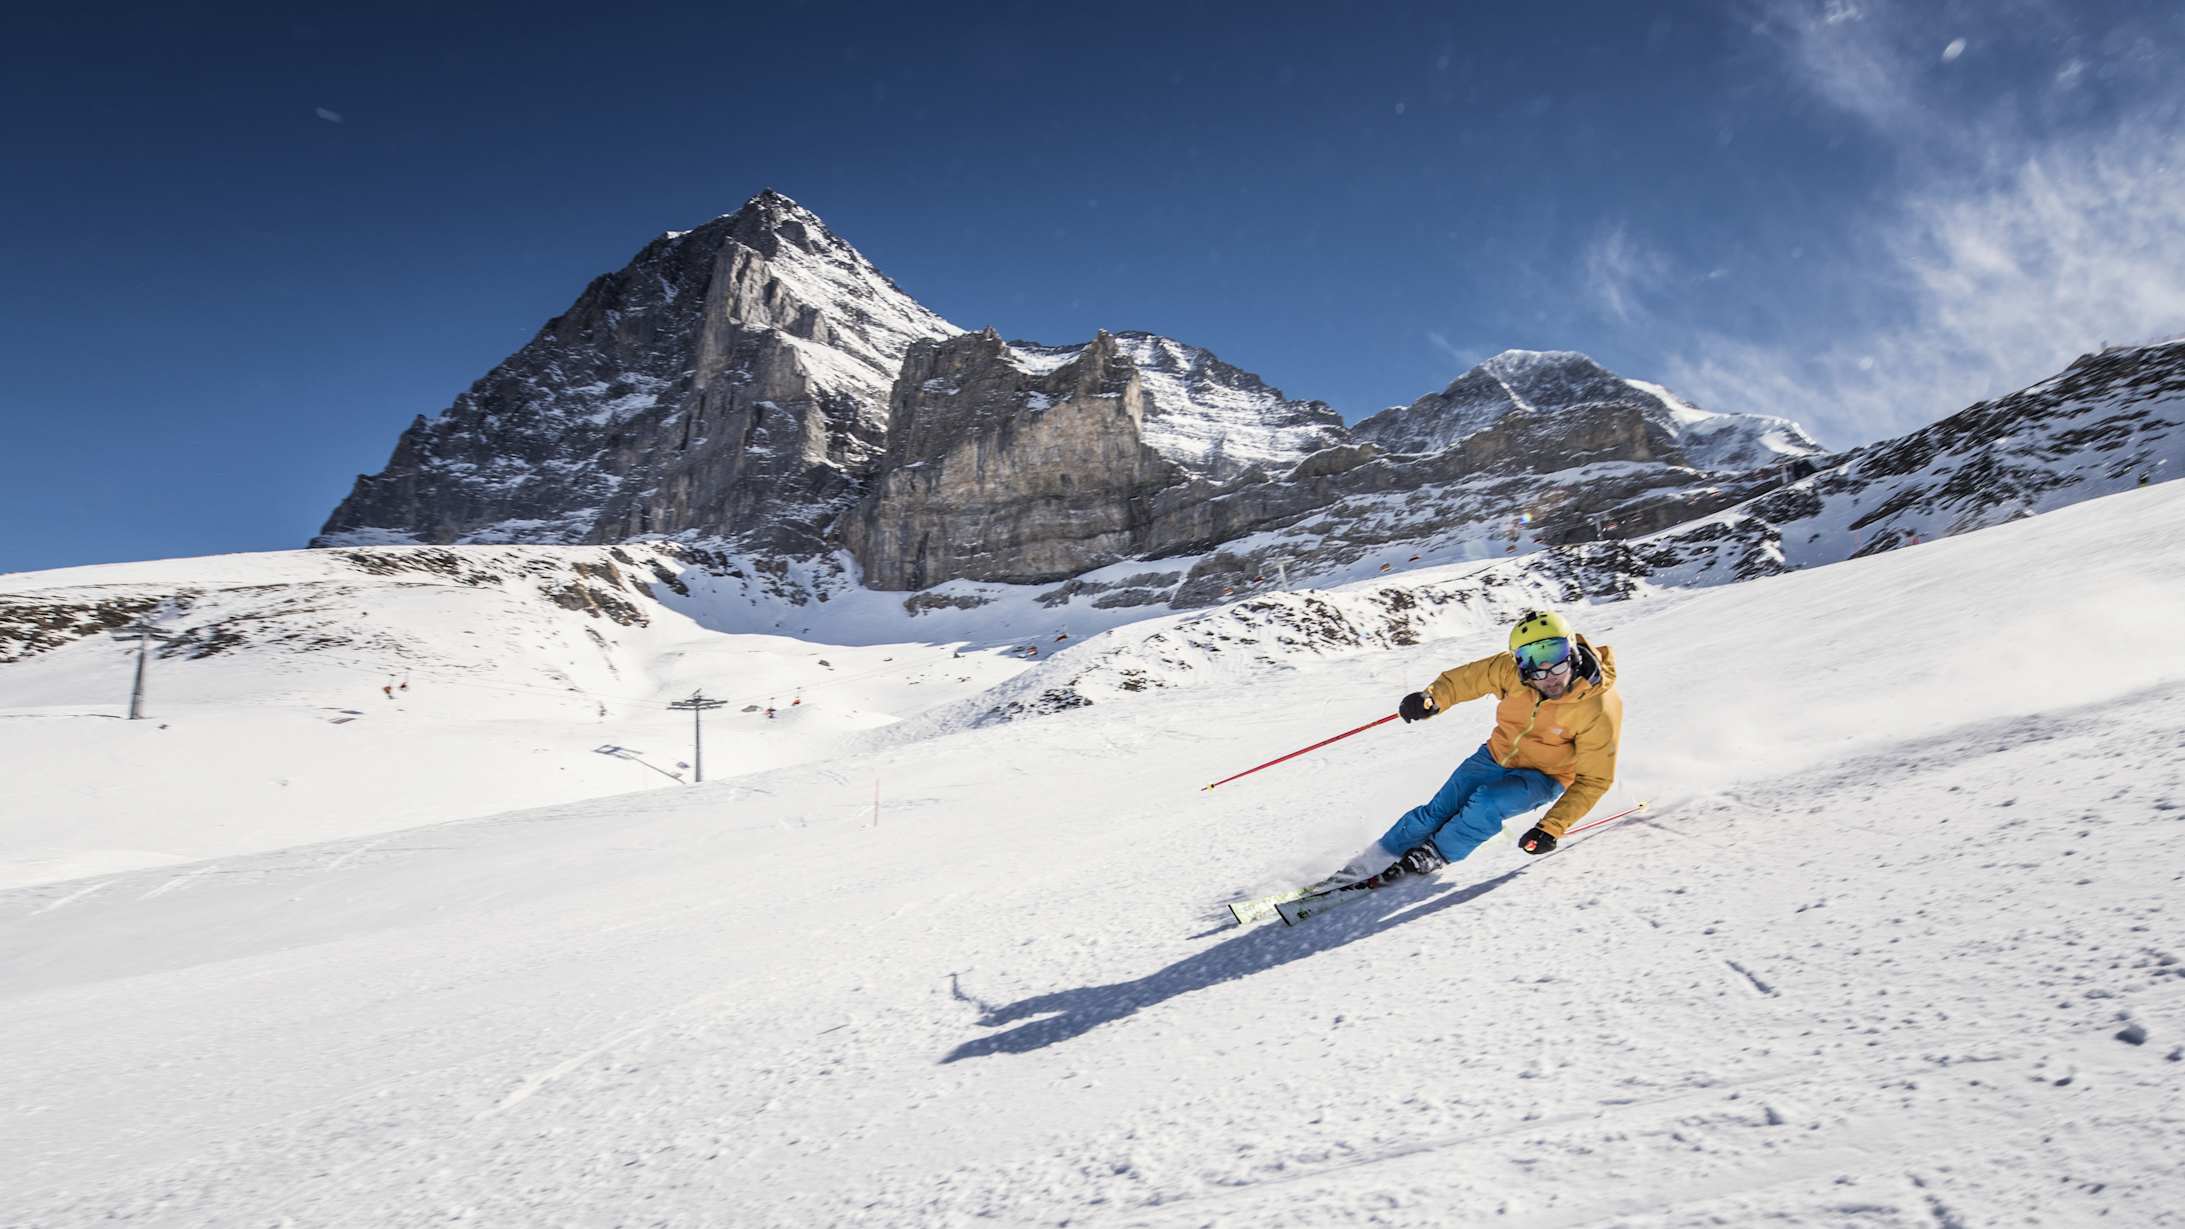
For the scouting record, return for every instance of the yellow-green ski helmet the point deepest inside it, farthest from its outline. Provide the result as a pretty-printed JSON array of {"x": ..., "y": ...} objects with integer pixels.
[
  {"x": 1539, "y": 625},
  {"x": 1542, "y": 642}
]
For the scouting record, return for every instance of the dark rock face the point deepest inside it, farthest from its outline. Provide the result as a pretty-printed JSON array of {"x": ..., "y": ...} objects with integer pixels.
[
  {"x": 1577, "y": 435},
  {"x": 995, "y": 472},
  {"x": 731, "y": 381}
]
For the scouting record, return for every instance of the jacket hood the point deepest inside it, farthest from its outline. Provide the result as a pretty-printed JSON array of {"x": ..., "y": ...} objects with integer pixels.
[{"x": 1600, "y": 663}]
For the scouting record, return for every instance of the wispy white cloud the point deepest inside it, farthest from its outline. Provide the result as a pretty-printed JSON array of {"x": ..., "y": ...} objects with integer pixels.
[
  {"x": 1979, "y": 289},
  {"x": 2014, "y": 243},
  {"x": 1846, "y": 55},
  {"x": 1465, "y": 357},
  {"x": 1621, "y": 270},
  {"x": 331, "y": 117}
]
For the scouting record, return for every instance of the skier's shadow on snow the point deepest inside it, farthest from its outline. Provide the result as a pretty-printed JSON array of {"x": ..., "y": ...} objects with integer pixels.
[{"x": 1073, "y": 1013}]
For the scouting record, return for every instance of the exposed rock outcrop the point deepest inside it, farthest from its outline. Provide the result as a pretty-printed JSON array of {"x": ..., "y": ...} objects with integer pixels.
[
  {"x": 1567, "y": 386},
  {"x": 999, "y": 472},
  {"x": 732, "y": 382},
  {"x": 999, "y": 469}
]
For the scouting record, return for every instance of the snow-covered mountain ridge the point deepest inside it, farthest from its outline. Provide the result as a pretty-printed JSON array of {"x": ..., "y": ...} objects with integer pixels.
[
  {"x": 1023, "y": 463},
  {"x": 2111, "y": 421},
  {"x": 1534, "y": 382},
  {"x": 739, "y": 386},
  {"x": 754, "y": 388}
]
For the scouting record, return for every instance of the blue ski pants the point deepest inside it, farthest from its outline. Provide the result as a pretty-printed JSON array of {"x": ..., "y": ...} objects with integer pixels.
[{"x": 1471, "y": 806}]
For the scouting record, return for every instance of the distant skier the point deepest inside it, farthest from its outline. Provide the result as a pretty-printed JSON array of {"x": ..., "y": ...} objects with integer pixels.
[{"x": 1555, "y": 736}]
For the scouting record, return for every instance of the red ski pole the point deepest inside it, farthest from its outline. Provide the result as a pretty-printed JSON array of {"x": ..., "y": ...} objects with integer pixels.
[
  {"x": 1302, "y": 750},
  {"x": 1610, "y": 820}
]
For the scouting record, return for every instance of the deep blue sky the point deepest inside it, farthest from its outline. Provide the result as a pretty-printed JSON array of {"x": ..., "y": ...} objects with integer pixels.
[{"x": 241, "y": 249}]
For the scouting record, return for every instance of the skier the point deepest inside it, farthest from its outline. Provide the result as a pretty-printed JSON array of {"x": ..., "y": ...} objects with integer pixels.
[{"x": 1555, "y": 736}]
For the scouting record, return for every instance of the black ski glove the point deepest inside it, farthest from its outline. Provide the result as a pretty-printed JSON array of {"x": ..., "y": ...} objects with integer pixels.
[
  {"x": 1537, "y": 840},
  {"x": 1416, "y": 707}
]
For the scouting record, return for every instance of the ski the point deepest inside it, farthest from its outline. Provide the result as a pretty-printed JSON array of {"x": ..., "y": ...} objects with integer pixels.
[
  {"x": 1298, "y": 906},
  {"x": 1260, "y": 908},
  {"x": 1298, "y": 909}
]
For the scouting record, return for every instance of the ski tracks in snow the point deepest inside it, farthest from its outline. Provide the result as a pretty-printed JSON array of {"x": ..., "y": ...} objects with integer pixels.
[
  {"x": 181, "y": 881},
  {"x": 1831, "y": 1141},
  {"x": 538, "y": 1080},
  {"x": 72, "y": 897}
]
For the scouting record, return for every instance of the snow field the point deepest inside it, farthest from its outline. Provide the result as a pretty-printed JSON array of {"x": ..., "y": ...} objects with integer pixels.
[
  {"x": 1910, "y": 869},
  {"x": 510, "y": 700}
]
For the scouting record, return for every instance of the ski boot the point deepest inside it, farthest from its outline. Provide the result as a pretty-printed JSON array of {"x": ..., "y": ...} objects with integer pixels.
[{"x": 1422, "y": 859}]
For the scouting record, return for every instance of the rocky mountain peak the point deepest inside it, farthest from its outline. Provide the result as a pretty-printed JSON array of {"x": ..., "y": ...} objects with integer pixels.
[
  {"x": 771, "y": 224},
  {"x": 1547, "y": 395},
  {"x": 1555, "y": 377},
  {"x": 726, "y": 382},
  {"x": 1530, "y": 381}
]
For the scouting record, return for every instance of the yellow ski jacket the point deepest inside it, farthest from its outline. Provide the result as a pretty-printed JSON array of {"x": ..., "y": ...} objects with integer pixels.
[{"x": 1572, "y": 738}]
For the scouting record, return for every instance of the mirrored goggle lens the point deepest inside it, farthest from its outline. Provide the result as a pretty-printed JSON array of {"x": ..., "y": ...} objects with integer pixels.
[{"x": 1542, "y": 655}]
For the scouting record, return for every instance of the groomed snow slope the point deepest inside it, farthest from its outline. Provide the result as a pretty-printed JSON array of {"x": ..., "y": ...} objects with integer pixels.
[{"x": 1913, "y": 866}]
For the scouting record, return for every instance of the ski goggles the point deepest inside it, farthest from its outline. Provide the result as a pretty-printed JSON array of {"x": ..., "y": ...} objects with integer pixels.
[{"x": 1542, "y": 656}]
